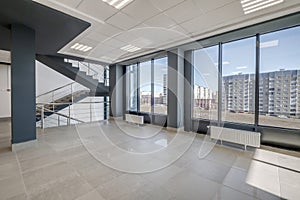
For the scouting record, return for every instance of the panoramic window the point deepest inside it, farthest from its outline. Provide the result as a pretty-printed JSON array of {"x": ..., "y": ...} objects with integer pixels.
[
  {"x": 131, "y": 88},
  {"x": 206, "y": 83},
  {"x": 238, "y": 76},
  {"x": 279, "y": 84},
  {"x": 160, "y": 85},
  {"x": 145, "y": 86}
]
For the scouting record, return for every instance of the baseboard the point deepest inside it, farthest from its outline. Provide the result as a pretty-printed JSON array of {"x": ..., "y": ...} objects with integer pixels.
[
  {"x": 172, "y": 129},
  {"x": 22, "y": 145},
  {"x": 5, "y": 119}
]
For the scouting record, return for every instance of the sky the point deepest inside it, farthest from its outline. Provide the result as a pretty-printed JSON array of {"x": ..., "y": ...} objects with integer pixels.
[{"x": 160, "y": 68}]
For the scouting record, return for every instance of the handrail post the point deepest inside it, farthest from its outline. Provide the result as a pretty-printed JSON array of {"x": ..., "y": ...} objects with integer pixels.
[
  {"x": 69, "y": 119},
  {"x": 42, "y": 117},
  {"x": 72, "y": 97},
  {"x": 91, "y": 111}
]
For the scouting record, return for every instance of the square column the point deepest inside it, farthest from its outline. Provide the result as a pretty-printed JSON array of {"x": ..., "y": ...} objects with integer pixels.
[
  {"x": 116, "y": 88},
  {"x": 175, "y": 88},
  {"x": 23, "y": 97}
]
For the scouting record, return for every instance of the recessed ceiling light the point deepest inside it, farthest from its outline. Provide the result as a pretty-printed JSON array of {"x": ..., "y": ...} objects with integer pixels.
[
  {"x": 130, "y": 48},
  {"x": 81, "y": 47},
  {"x": 250, "y": 6},
  {"x": 118, "y": 4}
]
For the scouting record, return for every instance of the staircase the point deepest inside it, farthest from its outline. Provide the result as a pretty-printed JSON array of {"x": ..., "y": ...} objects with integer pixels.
[
  {"x": 74, "y": 71},
  {"x": 61, "y": 103}
]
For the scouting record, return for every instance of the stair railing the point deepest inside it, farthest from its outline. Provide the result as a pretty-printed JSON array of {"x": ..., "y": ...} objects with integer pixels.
[
  {"x": 97, "y": 71},
  {"x": 74, "y": 113},
  {"x": 60, "y": 92}
]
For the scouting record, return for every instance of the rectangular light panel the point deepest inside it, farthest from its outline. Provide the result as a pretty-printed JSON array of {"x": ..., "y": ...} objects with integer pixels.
[
  {"x": 250, "y": 6},
  {"x": 81, "y": 47},
  {"x": 118, "y": 4},
  {"x": 130, "y": 48}
]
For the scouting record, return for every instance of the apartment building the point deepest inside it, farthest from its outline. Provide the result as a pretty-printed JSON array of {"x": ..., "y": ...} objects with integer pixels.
[{"x": 277, "y": 93}]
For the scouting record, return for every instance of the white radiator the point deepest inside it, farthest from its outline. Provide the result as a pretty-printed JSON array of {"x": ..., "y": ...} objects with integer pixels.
[
  {"x": 134, "y": 119},
  {"x": 246, "y": 138}
]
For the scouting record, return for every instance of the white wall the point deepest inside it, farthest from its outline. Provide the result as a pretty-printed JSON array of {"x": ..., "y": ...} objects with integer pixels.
[
  {"x": 48, "y": 79},
  {"x": 4, "y": 94}
]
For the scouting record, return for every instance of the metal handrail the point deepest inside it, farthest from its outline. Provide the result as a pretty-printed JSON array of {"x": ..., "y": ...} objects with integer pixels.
[
  {"x": 70, "y": 103},
  {"x": 60, "y": 114},
  {"x": 41, "y": 108},
  {"x": 89, "y": 68},
  {"x": 56, "y": 89}
]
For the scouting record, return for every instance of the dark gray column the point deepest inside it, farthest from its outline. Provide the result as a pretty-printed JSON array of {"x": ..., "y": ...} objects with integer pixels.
[
  {"x": 188, "y": 89},
  {"x": 23, "y": 84},
  {"x": 175, "y": 88},
  {"x": 116, "y": 90}
]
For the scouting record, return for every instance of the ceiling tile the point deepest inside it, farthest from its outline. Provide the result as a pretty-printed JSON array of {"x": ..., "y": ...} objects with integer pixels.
[
  {"x": 101, "y": 49},
  {"x": 71, "y": 3},
  {"x": 107, "y": 29},
  {"x": 161, "y": 20},
  {"x": 210, "y": 20},
  {"x": 165, "y": 4},
  {"x": 97, "y": 9},
  {"x": 122, "y": 21},
  {"x": 114, "y": 43},
  {"x": 141, "y": 42},
  {"x": 181, "y": 31},
  {"x": 141, "y": 10},
  {"x": 184, "y": 11},
  {"x": 117, "y": 53},
  {"x": 97, "y": 37},
  {"x": 153, "y": 37},
  {"x": 206, "y": 5},
  {"x": 292, "y": 2},
  {"x": 126, "y": 36},
  {"x": 88, "y": 42}
]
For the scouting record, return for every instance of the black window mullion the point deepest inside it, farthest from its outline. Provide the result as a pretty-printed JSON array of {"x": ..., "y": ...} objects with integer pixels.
[
  {"x": 257, "y": 57},
  {"x": 220, "y": 92},
  {"x": 138, "y": 87},
  {"x": 152, "y": 85}
]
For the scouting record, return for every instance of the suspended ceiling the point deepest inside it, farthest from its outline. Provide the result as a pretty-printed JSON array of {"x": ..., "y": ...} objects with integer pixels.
[{"x": 153, "y": 25}]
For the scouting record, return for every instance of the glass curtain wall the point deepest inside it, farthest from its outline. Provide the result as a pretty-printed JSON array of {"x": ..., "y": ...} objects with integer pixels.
[
  {"x": 238, "y": 76},
  {"x": 206, "y": 83},
  {"x": 132, "y": 87},
  {"x": 279, "y": 85},
  {"x": 160, "y": 85},
  {"x": 145, "y": 86}
]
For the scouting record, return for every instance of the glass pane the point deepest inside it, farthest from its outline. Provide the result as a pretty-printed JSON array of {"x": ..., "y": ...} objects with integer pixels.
[
  {"x": 279, "y": 87},
  {"x": 145, "y": 87},
  {"x": 206, "y": 83},
  {"x": 238, "y": 75},
  {"x": 160, "y": 85},
  {"x": 131, "y": 76}
]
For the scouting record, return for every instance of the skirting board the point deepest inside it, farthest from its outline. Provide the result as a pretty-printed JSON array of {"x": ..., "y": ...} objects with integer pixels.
[{"x": 22, "y": 145}]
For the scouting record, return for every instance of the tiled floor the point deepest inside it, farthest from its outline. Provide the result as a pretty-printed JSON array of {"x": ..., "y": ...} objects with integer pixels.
[{"x": 79, "y": 163}]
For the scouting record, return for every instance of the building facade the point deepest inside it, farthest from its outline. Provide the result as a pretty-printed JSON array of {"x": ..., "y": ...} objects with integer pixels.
[{"x": 279, "y": 93}]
